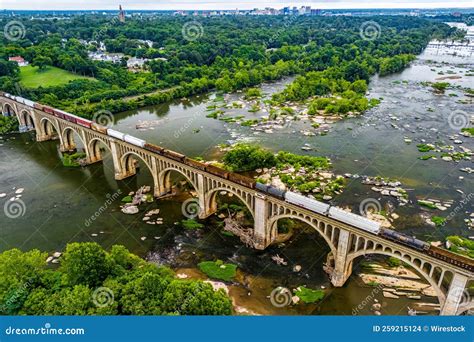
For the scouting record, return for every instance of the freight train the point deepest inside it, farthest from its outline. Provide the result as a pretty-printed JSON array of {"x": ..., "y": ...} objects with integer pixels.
[{"x": 313, "y": 205}]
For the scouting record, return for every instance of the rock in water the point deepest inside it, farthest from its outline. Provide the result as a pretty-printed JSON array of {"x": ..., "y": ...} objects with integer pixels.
[
  {"x": 296, "y": 268},
  {"x": 130, "y": 210}
]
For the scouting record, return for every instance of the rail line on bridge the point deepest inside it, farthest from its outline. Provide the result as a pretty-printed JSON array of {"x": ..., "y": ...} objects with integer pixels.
[{"x": 449, "y": 274}]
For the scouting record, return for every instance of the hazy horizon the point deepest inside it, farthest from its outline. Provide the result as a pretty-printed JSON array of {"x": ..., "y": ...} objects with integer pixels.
[{"x": 220, "y": 5}]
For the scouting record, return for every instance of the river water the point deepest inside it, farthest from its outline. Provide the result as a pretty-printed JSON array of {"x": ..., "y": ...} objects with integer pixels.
[{"x": 62, "y": 205}]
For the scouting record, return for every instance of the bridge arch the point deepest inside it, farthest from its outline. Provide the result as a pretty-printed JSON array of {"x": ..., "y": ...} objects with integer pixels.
[
  {"x": 94, "y": 148},
  {"x": 466, "y": 309},
  {"x": 318, "y": 226},
  {"x": 27, "y": 119},
  {"x": 406, "y": 259},
  {"x": 127, "y": 163},
  {"x": 49, "y": 129},
  {"x": 164, "y": 178},
  {"x": 211, "y": 199},
  {"x": 8, "y": 110},
  {"x": 68, "y": 139}
]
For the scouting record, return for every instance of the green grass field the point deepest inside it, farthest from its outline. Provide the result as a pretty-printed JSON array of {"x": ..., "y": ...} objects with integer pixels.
[{"x": 31, "y": 77}]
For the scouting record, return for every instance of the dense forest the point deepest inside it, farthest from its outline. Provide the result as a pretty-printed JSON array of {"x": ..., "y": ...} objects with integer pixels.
[
  {"x": 92, "y": 281},
  {"x": 228, "y": 53}
]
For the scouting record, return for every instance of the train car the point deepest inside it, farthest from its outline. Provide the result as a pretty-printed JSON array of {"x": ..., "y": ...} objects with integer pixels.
[
  {"x": 271, "y": 190},
  {"x": 242, "y": 180},
  {"x": 308, "y": 203},
  {"x": 134, "y": 141},
  {"x": 69, "y": 117},
  {"x": 115, "y": 134},
  {"x": 29, "y": 103},
  {"x": 98, "y": 128},
  {"x": 404, "y": 239},
  {"x": 452, "y": 258},
  {"x": 195, "y": 164},
  {"x": 83, "y": 122},
  {"x": 217, "y": 171},
  {"x": 48, "y": 110},
  {"x": 19, "y": 99},
  {"x": 154, "y": 148},
  {"x": 275, "y": 192},
  {"x": 354, "y": 220},
  {"x": 262, "y": 187},
  {"x": 173, "y": 155},
  {"x": 58, "y": 113},
  {"x": 38, "y": 106}
]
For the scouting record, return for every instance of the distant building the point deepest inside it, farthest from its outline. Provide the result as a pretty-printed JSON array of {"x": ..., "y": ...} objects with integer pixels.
[
  {"x": 20, "y": 60},
  {"x": 121, "y": 16}
]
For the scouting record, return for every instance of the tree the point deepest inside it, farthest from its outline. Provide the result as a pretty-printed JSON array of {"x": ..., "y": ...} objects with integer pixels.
[
  {"x": 246, "y": 157},
  {"x": 8, "y": 68},
  {"x": 42, "y": 62},
  {"x": 85, "y": 263}
]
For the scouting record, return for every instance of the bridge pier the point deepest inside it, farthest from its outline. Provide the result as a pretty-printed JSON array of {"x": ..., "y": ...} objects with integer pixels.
[
  {"x": 207, "y": 207},
  {"x": 455, "y": 295},
  {"x": 119, "y": 173},
  {"x": 261, "y": 230},
  {"x": 342, "y": 270}
]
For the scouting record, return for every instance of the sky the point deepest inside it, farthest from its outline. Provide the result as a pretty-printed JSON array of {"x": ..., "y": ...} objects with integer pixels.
[{"x": 224, "y": 4}]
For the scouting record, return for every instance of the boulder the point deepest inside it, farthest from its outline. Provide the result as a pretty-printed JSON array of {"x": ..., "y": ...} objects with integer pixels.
[
  {"x": 130, "y": 210},
  {"x": 387, "y": 294}
]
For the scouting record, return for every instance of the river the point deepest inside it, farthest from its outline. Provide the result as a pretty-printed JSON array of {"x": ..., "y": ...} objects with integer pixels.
[{"x": 62, "y": 205}]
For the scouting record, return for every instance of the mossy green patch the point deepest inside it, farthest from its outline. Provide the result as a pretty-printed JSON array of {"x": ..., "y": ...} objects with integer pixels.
[
  {"x": 438, "y": 220},
  {"x": 72, "y": 160},
  {"x": 218, "y": 270},
  {"x": 191, "y": 224},
  {"x": 308, "y": 295},
  {"x": 127, "y": 199}
]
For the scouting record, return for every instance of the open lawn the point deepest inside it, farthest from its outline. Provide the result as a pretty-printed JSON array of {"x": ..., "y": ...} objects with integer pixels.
[{"x": 31, "y": 77}]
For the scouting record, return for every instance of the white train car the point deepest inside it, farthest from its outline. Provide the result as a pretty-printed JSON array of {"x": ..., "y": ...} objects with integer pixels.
[
  {"x": 354, "y": 220},
  {"x": 306, "y": 202},
  {"x": 134, "y": 141},
  {"x": 115, "y": 134},
  {"x": 18, "y": 99},
  {"x": 29, "y": 103}
]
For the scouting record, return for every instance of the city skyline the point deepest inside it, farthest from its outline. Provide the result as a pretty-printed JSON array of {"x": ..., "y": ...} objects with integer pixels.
[{"x": 220, "y": 5}]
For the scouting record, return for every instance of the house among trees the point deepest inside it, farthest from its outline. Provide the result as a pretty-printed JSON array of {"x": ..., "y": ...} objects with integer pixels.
[{"x": 20, "y": 60}]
